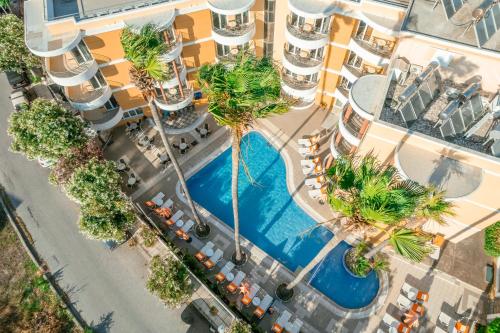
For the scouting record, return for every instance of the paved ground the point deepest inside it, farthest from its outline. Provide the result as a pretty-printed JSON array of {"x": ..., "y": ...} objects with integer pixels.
[{"x": 106, "y": 287}]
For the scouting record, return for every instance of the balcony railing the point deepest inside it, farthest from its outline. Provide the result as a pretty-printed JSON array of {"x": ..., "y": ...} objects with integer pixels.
[
  {"x": 176, "y": 101},
  {"x": 297, "y": 60},
  {"x": 86, "y": 98},
  {"x": 382, "y": 48},
  {"x": 297, "y": 83},
  {"x": 354, "y": 124},
  {"x": 306, "y": 32},
  {"x": 235, "y": 29}
]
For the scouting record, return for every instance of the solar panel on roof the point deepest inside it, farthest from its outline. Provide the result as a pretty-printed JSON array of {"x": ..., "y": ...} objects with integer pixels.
[
  {"x": 407, "y": 113},
  {"x": 489, "y": 24},
  {"x": 446, "y": 129},
  {"x": 451, "y": 7}
]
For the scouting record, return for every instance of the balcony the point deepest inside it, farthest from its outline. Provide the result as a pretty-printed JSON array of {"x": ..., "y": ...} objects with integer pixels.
[
  {"x": 350, "y": 128},
  {"x": 342, "y": 147},
  {"x": 351, "y": 73},
  {"x": 185, "y": 121},
  {"x": 376, "y": 52},
  {"x": 231, "y": 7},
  {"x": 65, "y": 70},
  {"x": 234, "y": 33},
  {"x": 174, "y": 49},
  {"x": 175, "y": 101},
  {"x": 341, "y": 94},
  {"x": 365, "y": 95},
  {"x": 305, "y": 37},
  {"x": 299, "y": 64},
  {"x": 102, "y": 119},
  {"x": 299, "y": 88},
  {"x": 171, "y": 81},
  {"x": 84, "y": 97}
]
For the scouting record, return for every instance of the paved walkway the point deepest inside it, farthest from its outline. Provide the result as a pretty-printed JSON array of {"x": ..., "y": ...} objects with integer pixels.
[{"x": 319, "y": 313}]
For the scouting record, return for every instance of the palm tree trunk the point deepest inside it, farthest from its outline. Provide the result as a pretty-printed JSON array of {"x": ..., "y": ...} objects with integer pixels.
[
  {"x": 332, "y": 243},
  {"x": 376, "y": 249},
  {"x": 173, "y": 159},
  {"x": 235, "y": 154},
  {"x": 176, "y": 71}
]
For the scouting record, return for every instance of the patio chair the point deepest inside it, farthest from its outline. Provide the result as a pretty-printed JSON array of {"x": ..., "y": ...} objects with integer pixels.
[
  {"x": 214, "y": 259},
  {"x": 280, "y": 323},
  {"x": 233, "y": 286},
  {"x": 254, "y": 289},
  {"x": 221, "y": 276},
  {"x": 185, "y": 229},
  {"x": 445, "y": 319},
  {"x": 264, "y": 305},
  {"x": 202, "y": 254},
  {"x": 171, "y": 222}
]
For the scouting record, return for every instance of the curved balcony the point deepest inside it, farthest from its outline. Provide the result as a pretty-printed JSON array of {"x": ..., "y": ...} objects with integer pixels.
[
  {"x": 341, "y": 94},
  {"x": 174, "y": 49},
  {"x": 305, "y": 37},
  {"x": 230, "y": 7},
  {"x": 175, "y": 102},
  {"x": 313, "y": 9},
  {"x": 381, "y": 24},
  {"x": 173, "y": 81},
  {"x": 370, "y": 51},
  {"x": 301, "y": 65},
  {"x": 297, "y": 88},
  {"x": 65, "y": 71},
  {"x": 343, "y": 147},
  {"x": 185, "y": 121},
  {"x": 85, "y": 97},
  {"x": 350, "y": 128},
  {"x": 234, "y": 34},
  {"x": 102, "y": 119},
  {"x": 365, "y": 95},
  {"x": 350, "y": 73}
]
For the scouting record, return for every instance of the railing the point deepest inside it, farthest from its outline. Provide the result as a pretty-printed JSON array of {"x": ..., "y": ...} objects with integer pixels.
[
  {"x": 172, "y": 45},
  {"x": 303, "y": 32},
  {"x": 384, "y": 51},
  {"x": 90, "y": 95},
  {"x": 177, "y": 98},
  {"x": 237, "y": 30},
  {"x": 301, "y": 61},
  {"x": 70, "y": 71},
  {"x": 104, "y": 118},
  {"x": 354, "y": 123},
  {"x": 298, "y": 84}
]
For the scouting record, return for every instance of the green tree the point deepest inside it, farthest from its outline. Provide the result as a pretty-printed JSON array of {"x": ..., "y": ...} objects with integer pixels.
[
  {"x": 492, "y": 240},
  {"x": 15, "y": 56},
  {"x": 111, "y": 225},
  {"x": 238, "y": 94},
  {"x": 143, "y": 49},
  {"x": 494, "y": 326},
  {"x": 5, "y": 5},
  {"x": 366, "y": 194},
  {"x": 46, "y": 130},
  {"x": 239, "y": 326},
  {"x": 169, "y": 280}
]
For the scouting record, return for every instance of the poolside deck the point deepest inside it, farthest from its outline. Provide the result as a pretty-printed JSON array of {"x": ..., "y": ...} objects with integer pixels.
[{"x": 319, "y": 313}]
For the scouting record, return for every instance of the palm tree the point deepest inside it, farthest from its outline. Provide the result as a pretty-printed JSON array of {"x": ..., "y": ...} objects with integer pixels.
[
  {"x": 367, "y": 195},
  {"x": 5, "y": 5},
  {"x": 143, "y": 49},
  {"x": 239, "y": 93}
]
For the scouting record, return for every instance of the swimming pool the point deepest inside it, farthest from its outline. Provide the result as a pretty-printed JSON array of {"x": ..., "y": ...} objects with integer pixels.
[{"x": 270, "y": 218}]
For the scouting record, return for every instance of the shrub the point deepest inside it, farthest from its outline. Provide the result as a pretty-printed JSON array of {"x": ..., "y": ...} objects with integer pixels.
[
  {"x": 169, "y": 280},
  {"x": 492, "y": 240},
  {"x": 239, "y": 326},
  {"x": 494, "y": 326},
  {"x": 149, "y": 237}
]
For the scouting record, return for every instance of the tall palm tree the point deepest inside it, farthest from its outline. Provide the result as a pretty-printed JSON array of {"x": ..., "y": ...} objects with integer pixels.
[
  {"x": 366, "y": 194},
  {"x": 238, "y": 94},
  {"x": 143, "y": 49}
]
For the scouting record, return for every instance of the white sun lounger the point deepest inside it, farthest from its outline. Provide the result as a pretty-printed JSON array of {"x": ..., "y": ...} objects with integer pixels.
[
  {"x": 167, "y": 204},
  {"x": 307, "y": 171},
  {"x": 390, "y": 320},
  {"x": 188, "y": 226},
  {"x": 158, "y": 198},
  {"x": 283, "y": 318},
  {"x": 178, "y": 214},
  {"x": 313, "y": 182},
  {"x": 305, "y": 142},
  {"x": 403, "y": 302},
  {"x": 445, "y": 319},
  {"x": 305, "y": 151},
  {"x": 214, "y": 259},
  {"x": 307, "y": 164},
  {"x": 233, "y": 286},
  {"x": 316, "y": 194},
  {"x": 264, "y": 305},
  {"x": 207, "y": 246},
  {"x": 439, "y": 330},
  {"x": 296, "y": 326},
  {"x": 228, "y": 267}
]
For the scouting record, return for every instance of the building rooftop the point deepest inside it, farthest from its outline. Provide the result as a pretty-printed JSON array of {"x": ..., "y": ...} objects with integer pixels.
[
  {"x": 312, "y": 8},
  {"x": 366, "y": 93},
  {"x": 430, "y": 18},
  {"x": 446, "y": 106}
]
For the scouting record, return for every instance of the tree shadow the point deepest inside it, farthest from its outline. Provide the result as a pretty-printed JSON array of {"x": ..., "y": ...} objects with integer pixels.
[{"x": 105, "y": 323}]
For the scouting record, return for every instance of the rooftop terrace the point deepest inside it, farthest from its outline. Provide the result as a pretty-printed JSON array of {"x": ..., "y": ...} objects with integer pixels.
[
  {"x": 458, "y": 113},
  {"x": 430, "y": 18}
]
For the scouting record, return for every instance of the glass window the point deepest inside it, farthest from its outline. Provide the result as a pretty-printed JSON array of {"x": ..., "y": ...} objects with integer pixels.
[
  {"x": 111, "y": 104},
  {"x": 215, "y": 20}
]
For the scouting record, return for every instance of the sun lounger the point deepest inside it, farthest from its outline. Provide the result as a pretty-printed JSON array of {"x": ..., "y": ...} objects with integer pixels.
[
  {"x": 167, "y": 204},
  {"x": 176, "y": 217},
  {"x": 254, "y": 289},
  {"x": 280, "y": 323},
  {"x": 307, "y": 163},
  {"x": 390, "y": 321},
  {"x": 265, "y": 303},
  {"x": 439, "y": 330},
  {"x": 233, "y": 286},
  {"x": 228, "y": 267},
  {"x": 185, "y": 229},
  {"x": 403, "y": 302},
  {"x": 308, "y": 142},
  {"x": 445, "y": 319},
  {"x": 214, "y": 259},
  {"x": 306, "y": 151},
  {"x": 158, "y": 198},
  {"x": 202, "y": 254},
  {"x": 316, "y": 182},
  {"x": 414, "y": 294},
  {"x": 295, "y": 326}
]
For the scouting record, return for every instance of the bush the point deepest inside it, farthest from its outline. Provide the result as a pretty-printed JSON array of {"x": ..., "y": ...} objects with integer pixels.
[
  {"x": 169, "y": 280},
  {"x": 239, "y": 326},
  {"x": 494, "y": 326},
  {"x": 149, "y": 237},
  {"x": 492, "y": 240}
]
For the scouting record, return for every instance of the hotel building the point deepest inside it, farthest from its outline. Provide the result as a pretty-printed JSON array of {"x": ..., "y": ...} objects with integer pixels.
[{"x": 354, "y": 58}]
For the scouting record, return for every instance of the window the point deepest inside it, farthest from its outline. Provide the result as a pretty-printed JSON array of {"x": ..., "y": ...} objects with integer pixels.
[
  {"x": 133, "y": 113},
  {"x": 269, "y": 8},
  {"x": 81, "y": 53},
  {"x": 111, "y": 104},
  {"x": 98, "y": 81},
  {"x": 361, "y": 31},
  {"x": 222, "y": 50}
]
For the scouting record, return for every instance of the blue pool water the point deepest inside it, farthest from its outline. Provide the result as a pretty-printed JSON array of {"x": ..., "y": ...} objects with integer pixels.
[{"x": 270, "y": 218}]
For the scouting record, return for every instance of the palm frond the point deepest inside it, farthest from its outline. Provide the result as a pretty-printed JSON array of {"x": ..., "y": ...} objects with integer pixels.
[
  {"x": 432, "y": 205},
  {"x": 410, "y": 244}
]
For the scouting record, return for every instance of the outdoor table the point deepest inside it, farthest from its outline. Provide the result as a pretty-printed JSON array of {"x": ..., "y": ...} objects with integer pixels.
[
  {"x": 209, "y": 252},
  {"x": 256, "y": 301},
  {"x": 183, "y": 146},
  {"x": 163, "y": 158},
  {"x": 133, "y": 126},
  {"x": 121, "y": 166},
  {"x": 230, "y": 277},
  {"x": 179, "y": 223},
  {"x": 131, "y": 181},
  {"x": 203, "y": 132}
]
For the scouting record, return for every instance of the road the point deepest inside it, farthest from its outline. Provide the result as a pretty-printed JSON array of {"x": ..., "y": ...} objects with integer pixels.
[{"x": 107, "y": 287}]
